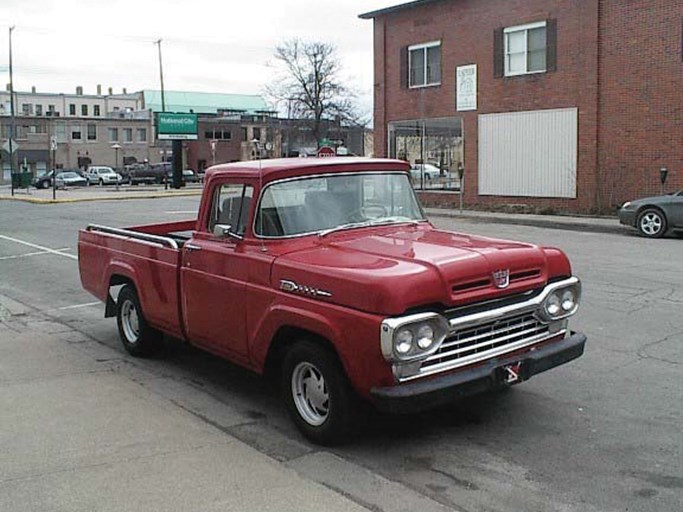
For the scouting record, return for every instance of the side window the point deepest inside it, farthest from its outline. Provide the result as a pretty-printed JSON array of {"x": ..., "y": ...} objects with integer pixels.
[{"x": 231, "y": 207}]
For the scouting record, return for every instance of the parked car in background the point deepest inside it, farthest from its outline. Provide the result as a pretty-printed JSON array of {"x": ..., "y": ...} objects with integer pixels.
[
  {"x": 101, "y": 175},
  {"x": 135, "y": 174},
  {"x": 654, "y": 216},
  {"x": 430, "y": 172},
  {"x": 44, "y": 181},
  {"x": 70, "y": 179},
  {"x": 190, "y": 176}
]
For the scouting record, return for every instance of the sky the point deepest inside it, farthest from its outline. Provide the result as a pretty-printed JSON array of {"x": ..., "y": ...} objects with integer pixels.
[{"x": 207, "y": 45}]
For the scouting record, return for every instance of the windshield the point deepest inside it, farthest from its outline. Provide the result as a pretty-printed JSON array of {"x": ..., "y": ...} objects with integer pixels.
[{"x": 313, "y": 205}]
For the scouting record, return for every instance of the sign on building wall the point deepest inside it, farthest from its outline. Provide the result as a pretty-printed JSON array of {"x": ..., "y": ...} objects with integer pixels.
[
  {"x": 466, "y": 87},
  {"x": 172, "y": 126}
]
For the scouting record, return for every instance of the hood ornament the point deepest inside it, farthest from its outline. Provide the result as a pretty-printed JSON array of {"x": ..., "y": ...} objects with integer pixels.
[{"x": 501, "y": 278}]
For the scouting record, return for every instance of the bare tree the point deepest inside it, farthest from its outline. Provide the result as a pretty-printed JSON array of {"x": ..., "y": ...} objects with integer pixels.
[{"x": 309, "y": 85}]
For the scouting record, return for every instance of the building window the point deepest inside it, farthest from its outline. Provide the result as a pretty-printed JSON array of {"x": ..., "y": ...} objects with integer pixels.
[
  {"x": 26, "y": 109},
  {"x": 141, "y": 134},
  {"x": 525, "y": 49},
  {"x": 424, "y": 64},
  {"x": 244, "y": 134},
  {"x": 76, "y": 133},
  {"x": 39, "y": 110},
  {"x": 51, "y": 109},
  {"x": 84, "y": 110},
  {"x": 92, "y": 131},
  {"x": 96, "y": 110},
  {"x": 113, "y": 134},
  {"x": 218, "y": 134},
  {"x": 72, "y": 109},
  {"x": 257, "y": 133},
  {"x": 127, "y": 135}
]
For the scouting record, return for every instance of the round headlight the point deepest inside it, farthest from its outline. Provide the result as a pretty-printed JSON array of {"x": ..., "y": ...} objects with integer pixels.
[
  {"x": 425, "y": 337},
  {"x": 568, "y": 300},
  {"x": 552, "y": 305},
  {"x": 404, "y": 341}
]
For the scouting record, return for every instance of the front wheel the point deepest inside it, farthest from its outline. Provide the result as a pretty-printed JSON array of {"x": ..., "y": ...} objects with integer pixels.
[
  {"x": 138, "y": 338},
  {"x": 317, "y": 394},
  {"x": 652, "y": 223}
]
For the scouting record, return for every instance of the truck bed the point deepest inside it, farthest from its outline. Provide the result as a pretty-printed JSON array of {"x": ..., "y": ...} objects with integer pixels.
[{"x": 148, "y": 255}]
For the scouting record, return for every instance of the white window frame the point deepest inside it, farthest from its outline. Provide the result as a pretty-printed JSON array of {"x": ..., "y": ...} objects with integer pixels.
[
  {"x": 525, "y": 29},
  {"x": 423, "y": 47}
]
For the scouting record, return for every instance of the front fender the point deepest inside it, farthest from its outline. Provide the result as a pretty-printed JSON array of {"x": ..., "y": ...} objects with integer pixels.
[{"x": 353, "y": 334}]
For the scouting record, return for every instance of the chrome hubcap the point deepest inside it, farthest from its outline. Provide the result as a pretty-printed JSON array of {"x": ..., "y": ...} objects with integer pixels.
[
  {"x": 130, "y": 321},
  {"x": 311, "y": 397},
  {"x": 651, "y": 223}
]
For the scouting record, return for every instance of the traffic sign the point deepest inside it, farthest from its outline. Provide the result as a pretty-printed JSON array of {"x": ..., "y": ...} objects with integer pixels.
[
  {"x": 326, "y": 151},
  {"x": 53, "y": 143}
]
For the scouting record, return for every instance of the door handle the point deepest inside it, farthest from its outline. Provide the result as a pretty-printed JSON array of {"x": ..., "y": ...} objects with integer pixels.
[{"x": 192, "y": 247}]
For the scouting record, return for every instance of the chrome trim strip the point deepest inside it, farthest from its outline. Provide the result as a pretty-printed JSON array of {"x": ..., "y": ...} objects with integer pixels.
[
  {"x": 160, "y": 240},
  {"x": 530, "y": 305}
]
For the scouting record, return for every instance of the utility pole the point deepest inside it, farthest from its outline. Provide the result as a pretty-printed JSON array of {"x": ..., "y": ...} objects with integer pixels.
[
  {"x": 161, "y": 77},
  {"x": 163, "y": 103},
  {"x": 11, "y": 109}
]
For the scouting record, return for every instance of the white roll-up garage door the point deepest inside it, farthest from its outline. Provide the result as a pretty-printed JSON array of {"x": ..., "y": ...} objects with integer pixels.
[{"x": 530, "y": 154}]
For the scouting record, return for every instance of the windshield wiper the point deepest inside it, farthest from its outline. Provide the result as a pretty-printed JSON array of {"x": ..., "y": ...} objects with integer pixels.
[
  {"x": 342, "y": 227},
  {"x": 373, "y": 222}
]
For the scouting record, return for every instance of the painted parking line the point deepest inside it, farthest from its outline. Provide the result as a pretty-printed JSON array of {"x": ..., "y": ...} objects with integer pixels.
[
  {"x": 39, "y": 247},
  {"x": 77, "y": 306},
  {"x": 17, "y": 256}
]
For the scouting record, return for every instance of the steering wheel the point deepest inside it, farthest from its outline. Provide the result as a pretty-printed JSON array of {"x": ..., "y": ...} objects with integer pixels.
[{"x": 367, "y": 211}]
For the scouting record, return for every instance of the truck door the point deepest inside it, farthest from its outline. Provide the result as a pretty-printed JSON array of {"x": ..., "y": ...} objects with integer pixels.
[{"x": 214, "y": 275}]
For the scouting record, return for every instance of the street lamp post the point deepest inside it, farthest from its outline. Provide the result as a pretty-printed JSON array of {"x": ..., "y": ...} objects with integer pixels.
[
  {"x": 12, "y": 132},
  {"x": 116, "y": 146}
]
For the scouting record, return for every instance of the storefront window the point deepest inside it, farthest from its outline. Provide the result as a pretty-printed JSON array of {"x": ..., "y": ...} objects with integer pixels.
[{"x": 434, "y": 148}]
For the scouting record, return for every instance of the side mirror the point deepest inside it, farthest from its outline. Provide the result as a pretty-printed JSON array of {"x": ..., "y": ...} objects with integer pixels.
[
  {"x": 225, "y": 231},
  {"x": 222, "y": 230}
]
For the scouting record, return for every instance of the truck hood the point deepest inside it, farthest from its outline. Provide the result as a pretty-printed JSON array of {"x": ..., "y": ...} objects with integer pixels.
[{"x": 391, "y": 270}]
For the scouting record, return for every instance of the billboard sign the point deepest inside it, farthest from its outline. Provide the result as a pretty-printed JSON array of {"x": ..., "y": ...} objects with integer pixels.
[{"x": 171, "y": 126}]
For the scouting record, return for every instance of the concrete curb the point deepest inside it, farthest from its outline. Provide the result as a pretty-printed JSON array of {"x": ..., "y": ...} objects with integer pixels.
[
  {"x": 590, "y": 224},
  {"x": 153, "y": 195}
]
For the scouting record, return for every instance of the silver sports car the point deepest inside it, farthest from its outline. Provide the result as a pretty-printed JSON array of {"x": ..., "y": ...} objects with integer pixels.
[{"x": 654, "y": 216}]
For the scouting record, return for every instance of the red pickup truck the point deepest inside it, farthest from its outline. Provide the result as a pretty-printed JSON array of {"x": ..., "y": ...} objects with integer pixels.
[{"x": 326, "y": 272}]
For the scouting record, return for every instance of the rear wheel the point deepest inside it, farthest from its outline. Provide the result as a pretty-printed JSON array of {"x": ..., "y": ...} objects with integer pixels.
[
  {"x": 138, "y": 338},
  {"x": 652, "y": 223},
  {"x": 317, "y": 393}
]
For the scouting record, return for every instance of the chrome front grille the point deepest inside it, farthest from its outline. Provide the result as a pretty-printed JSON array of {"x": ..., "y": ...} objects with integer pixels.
[{"x": 483, "y": 341}]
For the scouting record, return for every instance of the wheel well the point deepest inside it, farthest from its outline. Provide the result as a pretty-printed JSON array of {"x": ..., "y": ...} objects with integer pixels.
[
  {"x": 284, "y": 338},
  {"x": 649, "y": 207},
  {"x": 110, "y": 305},
  {"x": 118, "y": 279}
]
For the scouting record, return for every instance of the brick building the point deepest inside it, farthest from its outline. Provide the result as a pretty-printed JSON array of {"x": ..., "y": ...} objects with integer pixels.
[{"x": 557, "y": 104}]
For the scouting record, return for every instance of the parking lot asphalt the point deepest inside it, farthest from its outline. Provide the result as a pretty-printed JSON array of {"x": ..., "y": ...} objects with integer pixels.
[{"x": 600, "y": 434}]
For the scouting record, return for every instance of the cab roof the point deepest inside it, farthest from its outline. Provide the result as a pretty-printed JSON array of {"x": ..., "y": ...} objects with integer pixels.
[{"x": 281, "y": 167}]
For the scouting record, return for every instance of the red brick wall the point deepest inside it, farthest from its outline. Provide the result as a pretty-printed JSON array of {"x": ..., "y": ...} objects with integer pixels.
[
  {"x": 641, "y": 97},
  {"x": 226, "y": 150},
  {"x": 466, "y": 28}
]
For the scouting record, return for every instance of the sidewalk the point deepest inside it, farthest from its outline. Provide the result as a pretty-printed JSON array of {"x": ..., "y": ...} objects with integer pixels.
[
  {"x": 96, "y": 193},
  {"x": 569, "y": 222},
  {"x": 85, "y": 427}
]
